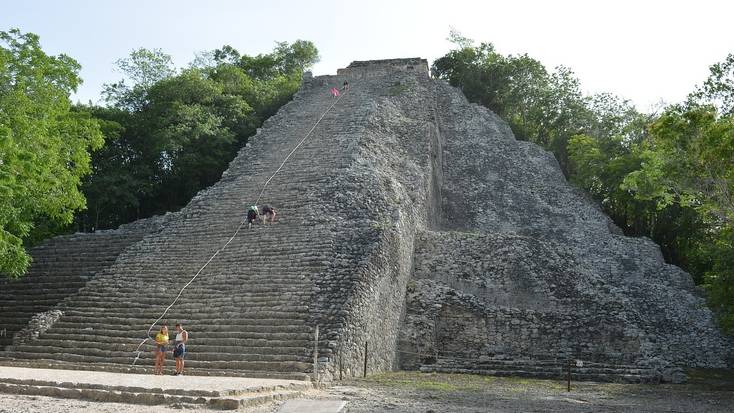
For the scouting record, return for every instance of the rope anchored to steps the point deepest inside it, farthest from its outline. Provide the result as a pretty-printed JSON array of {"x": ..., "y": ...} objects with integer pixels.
[
  {"x": 265, "y": 185},
  {"x": 262, "y": 191}
]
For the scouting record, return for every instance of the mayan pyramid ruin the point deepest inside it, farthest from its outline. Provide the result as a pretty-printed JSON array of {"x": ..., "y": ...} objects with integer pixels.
[{"x": 409, "y": 220}]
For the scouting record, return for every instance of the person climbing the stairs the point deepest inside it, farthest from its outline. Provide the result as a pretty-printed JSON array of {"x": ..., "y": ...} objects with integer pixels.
[
  {"x": 334, "y": 92},
  {"x": 345, "y": 86},
  {"x": 179, "y": 349},
  {"x": 268, "y": 213},
  {"x": 161, "y": 341},
  {"x": 252, "y": 214}
]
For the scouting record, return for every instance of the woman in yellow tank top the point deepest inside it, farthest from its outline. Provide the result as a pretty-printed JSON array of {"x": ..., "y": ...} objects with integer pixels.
[{"x": 161, "y": 340}]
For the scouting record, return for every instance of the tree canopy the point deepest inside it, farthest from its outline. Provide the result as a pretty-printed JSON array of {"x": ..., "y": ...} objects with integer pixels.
[
  {"x": 44, "y": 144},
  {"x": 171, "y": 133}
]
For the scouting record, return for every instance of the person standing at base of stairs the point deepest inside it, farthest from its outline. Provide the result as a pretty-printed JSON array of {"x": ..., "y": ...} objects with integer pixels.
[
  {"x": 179, "y": 349},
  {"x": 252, "y": 215},
  {"x": 161, "y": 340},
  {"x": 268, "y": 213}
]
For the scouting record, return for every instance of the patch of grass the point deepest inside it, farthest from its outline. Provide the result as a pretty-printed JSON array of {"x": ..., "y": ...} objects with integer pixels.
[
  {"x": 431, "y": 381},
  {"x": 534, "y": 383},
  {"x": 450, "y": 382},
  {"x": 711, "y": 379}
]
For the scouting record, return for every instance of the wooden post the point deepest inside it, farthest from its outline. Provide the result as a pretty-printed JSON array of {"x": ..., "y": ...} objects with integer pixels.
[
  {"x": 316, "y": 356},
  {"x": 568, "y": 375},
  {"x": 340, "y": 363},
  {"x": 365, "y": 359}
]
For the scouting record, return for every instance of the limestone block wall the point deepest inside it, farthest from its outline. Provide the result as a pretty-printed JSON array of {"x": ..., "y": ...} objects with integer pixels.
[
  {"x": 381, "y": 68},
  {"x": 384, "y": 198},
  {"x": 494, "y": 184},
  {"x": 494, "y": 296}
]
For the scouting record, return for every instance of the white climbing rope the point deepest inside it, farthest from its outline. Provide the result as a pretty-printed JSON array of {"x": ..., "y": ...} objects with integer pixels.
[
  {"x": 262, "y": 191},
  {"x": 297, "y": 146}
]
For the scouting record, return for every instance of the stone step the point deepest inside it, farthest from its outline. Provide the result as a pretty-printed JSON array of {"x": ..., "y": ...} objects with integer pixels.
[
  {"x": 543, "y": 367},
  {"x": 200, "y": 324},
  {"x": 8, "y": 310},
  {"x": 226, "y": 338},
  {"x": 271, "y": 363},
  {"x": 266, "y": 311},
  {"x": 540, "y": 365},
  {"x": 202, "y": 343},
  {"x": 163, "y": 391},
  {"x": 88, "y": 302},
  {"x": 15, "y": 323},
  {"x": 57, "y": 288},
  {"x": 213, "y": 286},
  {"x": 146, "y": 369},
  {"x": 192, "y": 313},
  {"x": 197, "y": 352},
  {"x": 264, "y": 301},
  {"x": 234, "y": 329},
  {"x": 621, "y": 376}
]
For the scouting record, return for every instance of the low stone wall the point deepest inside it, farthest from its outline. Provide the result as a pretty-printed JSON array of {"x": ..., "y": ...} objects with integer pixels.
[
  {"x": 361, "y": 70},
  {"x": 479, "y": 296}
]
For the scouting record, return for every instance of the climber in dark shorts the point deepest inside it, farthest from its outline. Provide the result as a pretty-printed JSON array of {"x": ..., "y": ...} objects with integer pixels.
[
  {"x": 268, "y": 214},
  {"x": 252, "y": 214},
  {"x": 345, "y": 86}
]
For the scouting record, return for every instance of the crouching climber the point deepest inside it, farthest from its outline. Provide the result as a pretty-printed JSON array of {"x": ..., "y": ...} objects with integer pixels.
[
  {"x": 268, "y": 214},
  {"x": 252, "y": 214}
]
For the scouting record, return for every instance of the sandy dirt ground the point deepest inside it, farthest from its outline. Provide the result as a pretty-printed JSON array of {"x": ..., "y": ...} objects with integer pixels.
[{"x": 433, "y": 393}]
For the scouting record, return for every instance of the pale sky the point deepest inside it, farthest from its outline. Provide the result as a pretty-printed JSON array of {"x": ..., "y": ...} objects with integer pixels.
[{"x": 645, "y": 51}]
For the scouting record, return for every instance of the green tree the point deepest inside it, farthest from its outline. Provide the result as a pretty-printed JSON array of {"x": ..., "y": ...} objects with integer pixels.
[
  {"x": 689, "y": 160},
  {"x": 172, "y": 134},
  {"x": 141, "y": 70},
  {"x": 718, "y": 89},
  {"x": 688, "y": 163},
  {"x": 44, "y": 145},
  {"x": 197, "y": 125}
]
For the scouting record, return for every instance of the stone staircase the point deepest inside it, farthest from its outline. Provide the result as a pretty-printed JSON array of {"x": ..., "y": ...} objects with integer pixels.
[
  {"x": 214, "y": 393},
  {"x": 248, "y": 311},
  {"x": 61, "y": 266}
]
